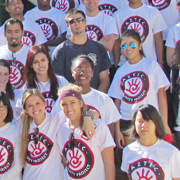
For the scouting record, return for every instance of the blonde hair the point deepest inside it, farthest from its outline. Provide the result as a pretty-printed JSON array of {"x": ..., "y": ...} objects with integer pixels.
[
  {"x": 78, "y": 89},
  {"x": 26, "y": 121}
]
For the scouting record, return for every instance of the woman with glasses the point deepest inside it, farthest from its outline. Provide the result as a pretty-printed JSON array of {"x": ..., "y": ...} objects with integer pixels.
[
  {"x": 139, "y": 81},
  {"x": 6, "y": 87},
  {"x": 10, "y": 165},
  {"x": 150, "y": 157},
  {"x": 40, "y": 75},
  {"x": 83, "y": 158}
]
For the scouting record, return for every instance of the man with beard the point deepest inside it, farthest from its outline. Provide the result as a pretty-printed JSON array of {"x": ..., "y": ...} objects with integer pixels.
[
  {"x": 33, "y": 34},
  {"x": 14, "y": 51}
]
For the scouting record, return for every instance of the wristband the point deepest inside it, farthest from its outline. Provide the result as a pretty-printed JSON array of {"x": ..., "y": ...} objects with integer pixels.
[{"x": 90, "y": 115}]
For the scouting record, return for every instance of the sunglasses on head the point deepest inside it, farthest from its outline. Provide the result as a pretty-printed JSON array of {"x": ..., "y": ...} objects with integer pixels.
[
  {"x": 36, "y": 135},
  {"x": 79, "y": 20},
  {"x": 131, "y": 45}
]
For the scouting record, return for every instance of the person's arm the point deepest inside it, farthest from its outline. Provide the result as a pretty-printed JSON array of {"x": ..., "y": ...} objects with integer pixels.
[
  {"x": 56, "y": 41},
  {"x": 169, "y": 55},
  {"x": 175, "y": 178},
  {"x": 159, "y": 47},
  {"x": 163, "y": 108},
  {"x": 108, "y": 41},
  {"x": 104, "y": 81},
  {"x": 118, "y": 135},
  {"x": 116, "y": 52},
  {"x": 108, "y": 159}
]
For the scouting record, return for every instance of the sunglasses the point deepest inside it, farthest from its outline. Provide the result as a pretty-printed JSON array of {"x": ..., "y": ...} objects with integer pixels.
[
  {"x": 78, "y": 69},
  {"x": 72, "y": 141},
  {"x": 132, "y": 46},
  {"x": 36, "y": 135},
  {"x": 79, "y": 20}
]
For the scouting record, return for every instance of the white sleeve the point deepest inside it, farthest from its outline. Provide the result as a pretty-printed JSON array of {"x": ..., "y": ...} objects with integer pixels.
[
  {"x": 159, "y": 23},
  {"x": 111, "y": 27},
  {"x": 175, "y": 164},
  {"x": 104, "y": 136},
  {"x": 124, "y": 165},
  {"x": 170, "y": 41}
]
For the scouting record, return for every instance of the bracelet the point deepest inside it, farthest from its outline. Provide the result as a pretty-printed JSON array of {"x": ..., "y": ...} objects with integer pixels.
[{"x": 89, "y": 114}]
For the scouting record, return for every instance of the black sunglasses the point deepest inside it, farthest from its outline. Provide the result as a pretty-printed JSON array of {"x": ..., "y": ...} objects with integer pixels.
[
  {"x": 72, "y": 141},
  {"x": 36, "y": 135},
  {"x": 79, "y": 20}
]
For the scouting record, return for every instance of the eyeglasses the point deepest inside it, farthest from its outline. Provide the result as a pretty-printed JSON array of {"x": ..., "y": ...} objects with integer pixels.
[
  {"x": 78, "y": 69},
  {"x": 125, "y": 46},
  {"x": 3, "y": 108},
  {"x": 79, "y": 20},
  {"x": 72, "y": 141},
  {"x": 36, "y": 135}
]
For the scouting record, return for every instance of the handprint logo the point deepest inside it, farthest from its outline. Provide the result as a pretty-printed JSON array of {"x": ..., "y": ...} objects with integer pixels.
[
  {"x": 15, "y": 75},
  {"x": 91, "y": 35},
  {"x": 47, "y": 30},
  {"x": 137, "y": 26},
  {"x": 49, "y": 104},
  {"x": 3, "y": 156},
  {"x": 76, "y": 159},
  {"x": 26, "y": 41},
  {"x": 133, "y": 86},
  {"x": 36, "y": 149},
  {"x": 63, "y": 5},
  {"x": 158, "y": 2}
]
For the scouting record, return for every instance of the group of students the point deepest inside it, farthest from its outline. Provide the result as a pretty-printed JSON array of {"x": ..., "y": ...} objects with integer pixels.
[{"x": 49, "y": 132}]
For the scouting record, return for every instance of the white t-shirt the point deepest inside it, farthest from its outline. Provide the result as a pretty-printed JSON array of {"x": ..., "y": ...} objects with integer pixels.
[
  {"x": 147, "y": 20},
  {"x": 52, "y": 22},
  {"x": 100, "y": 102},
  {"x": 99, "y": 26},
  {"x": 173, "y": 36},
  {"x": 43, "y": 160},
  {"x": 44, "y": 88},
  {"x": 85, "y": 162},
  {"x": 168, "y": 10},
  {"x": 33, "y": 34},
  {"x": 159, "y": 161},
  {"x": 10, "y": 165},
  {"x": 65, "y": 5},
  {"x": 137, "y": 84},
  {"x": 17, "y": 63}
]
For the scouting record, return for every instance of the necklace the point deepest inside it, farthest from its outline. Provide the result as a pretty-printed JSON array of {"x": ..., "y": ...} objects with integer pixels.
[{"x": 43, "y": 86}]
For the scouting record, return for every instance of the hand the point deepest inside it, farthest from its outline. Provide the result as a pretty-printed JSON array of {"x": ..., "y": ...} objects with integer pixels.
[
  {"x": 88, "y": 126},
  {"x": 119, "y": 138}
]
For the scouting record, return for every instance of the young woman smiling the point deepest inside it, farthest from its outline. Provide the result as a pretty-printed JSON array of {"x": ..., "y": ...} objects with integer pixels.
[
  {"x": 84, "y": 158},
  {"x": 40, "y": 75},
  {"x": 139, "y": 81}
]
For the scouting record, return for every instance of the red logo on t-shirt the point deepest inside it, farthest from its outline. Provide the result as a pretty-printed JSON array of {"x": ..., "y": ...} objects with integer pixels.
[
  {"x": 80, "y": 158},
  {"x": 135, "y": 86},
  {"x": 138, "y": 23},
  {"x": 94, "y": 32},
  {"x": 64, "y": 5},
  {"x": 146, "y": 169},
  {"x": 160, "y": 4},
  {"x": 108, "y": 9},
  {"x": 38, "y": 153},
  {"x": 17, "y": 73},
  {"x": 29, "y": 38},
  {"x": 49, "y": 28}
]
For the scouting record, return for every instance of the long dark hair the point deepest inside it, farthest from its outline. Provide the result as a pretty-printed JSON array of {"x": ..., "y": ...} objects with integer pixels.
[
  {"x": 5, "y": 101},
  {"x": 31, "y": 75},
  {"x": 9, "y": 89}
]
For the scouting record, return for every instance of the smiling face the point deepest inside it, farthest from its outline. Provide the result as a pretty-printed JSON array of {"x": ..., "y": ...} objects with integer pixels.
[
  {"x": 143, "y": 127},
  {"x": 71, "y": 107},
  {"x": 35, "y": 108},
  {"x": 82, "y": 72},
  {"x": 4, "y": 77},
  {"x": 3, "y": 113},
  {"x": 132, "y": 54},
  {"x": 40, "y": 64},
  {"x": 14, "y": 34},
  {"x": 91, "y": 5},
  {"x": 15, "y": 8}
]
